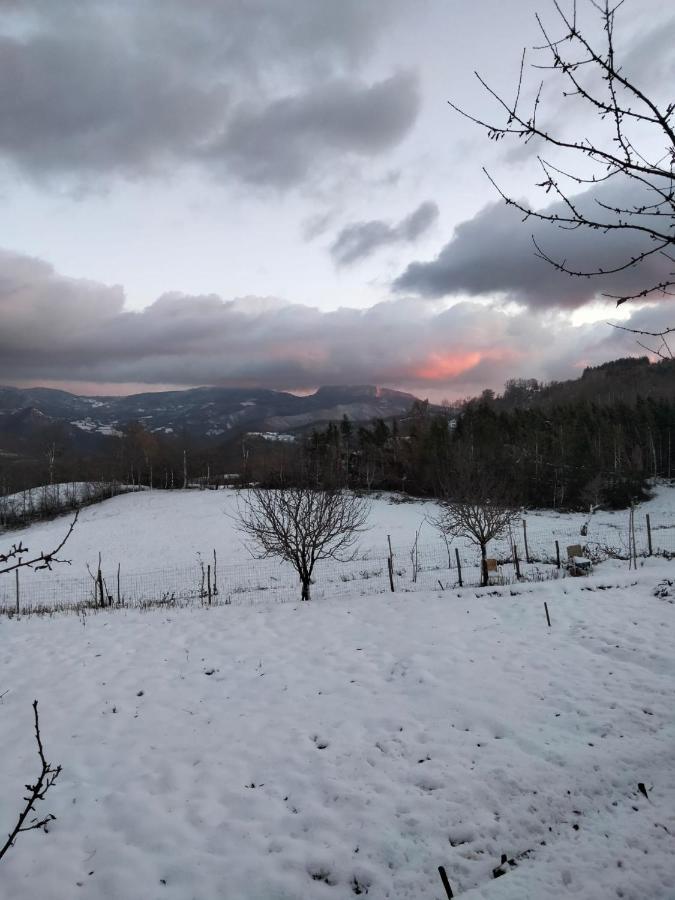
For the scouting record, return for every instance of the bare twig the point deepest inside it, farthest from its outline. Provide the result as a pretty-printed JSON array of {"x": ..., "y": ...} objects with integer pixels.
[
  {"x": 36, "y": 792},
  {"x": 14, "y": 557}
]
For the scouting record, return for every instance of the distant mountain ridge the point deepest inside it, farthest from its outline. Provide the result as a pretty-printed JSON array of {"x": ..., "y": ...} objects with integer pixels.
[{"x": 207, "y": 412}]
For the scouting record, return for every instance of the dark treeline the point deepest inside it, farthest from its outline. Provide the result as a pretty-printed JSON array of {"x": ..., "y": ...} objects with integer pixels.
[
  {"x": 624, "y": 380},
  {"x": 566, "y": 456},
  {"x": 137, "y": 458}
]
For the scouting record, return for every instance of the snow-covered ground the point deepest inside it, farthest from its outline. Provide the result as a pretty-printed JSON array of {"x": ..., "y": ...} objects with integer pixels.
[
  {"x": 351, "y": 746},
  {"x": 152, "y": 529},
  {"x": 158, "y": 537}
]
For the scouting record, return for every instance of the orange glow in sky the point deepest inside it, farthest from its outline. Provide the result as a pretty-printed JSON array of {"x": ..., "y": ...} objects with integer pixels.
[{"x": 439, "y": 366}]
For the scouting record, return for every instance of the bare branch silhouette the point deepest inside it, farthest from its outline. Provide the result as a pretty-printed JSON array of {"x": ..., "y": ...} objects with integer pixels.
[
  {"x": 36, "y": 792},
  {"x": 14, "y": 558},
  {"x": 594, "y": 75}
]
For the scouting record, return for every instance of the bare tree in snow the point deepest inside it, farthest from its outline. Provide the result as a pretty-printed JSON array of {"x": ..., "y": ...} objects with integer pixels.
[
  {"x": 479, "y": 512},
  {"x": 302, "y": 526}
]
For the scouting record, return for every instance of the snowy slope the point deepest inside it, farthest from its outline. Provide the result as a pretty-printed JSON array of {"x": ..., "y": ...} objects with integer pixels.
[{"x": 349, "y": 747}]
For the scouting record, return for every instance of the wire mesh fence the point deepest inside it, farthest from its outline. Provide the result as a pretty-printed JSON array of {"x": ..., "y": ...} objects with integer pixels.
[{"x": 531, "y": 551}]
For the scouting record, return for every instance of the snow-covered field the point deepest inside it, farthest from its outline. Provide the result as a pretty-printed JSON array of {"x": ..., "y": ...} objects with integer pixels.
[
  {"x": 158, "y": 537},
  {"x": 152, "y": 529},
  {"x": 350, "y": 747}
]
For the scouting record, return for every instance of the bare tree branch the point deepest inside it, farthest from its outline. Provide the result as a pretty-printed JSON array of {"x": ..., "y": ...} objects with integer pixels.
[
  {"x": 662, "y": 350},
  {"x": 14, "y": 557},
  {"x": 615, "y": 154},
  {"x": 36, "y": 792}
]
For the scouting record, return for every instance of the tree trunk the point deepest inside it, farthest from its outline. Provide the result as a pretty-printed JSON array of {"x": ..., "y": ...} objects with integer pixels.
[
  {"x": 305, "y": 589},
  {"x": 483, "y": 566}
]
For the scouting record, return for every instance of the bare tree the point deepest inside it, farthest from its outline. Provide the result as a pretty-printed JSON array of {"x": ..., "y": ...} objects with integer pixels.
[
  {"x": 479, "y": 520},
  {"x": 15, "y": 557},
  {"x": 634, "y": 151},
  {"x": 36, "y": 792},
  {"x": 302, "y": 526}
]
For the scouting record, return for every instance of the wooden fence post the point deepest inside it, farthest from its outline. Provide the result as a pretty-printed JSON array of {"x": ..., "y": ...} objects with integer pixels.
[
  {"x": 459, "y": 567},
  {"x": 119, "y": 598},
  {"x": 649, "y": 535},
  {"x": 527, "y": 549},
  {"x": 516, "y": 561},
  {"x": 215, "y": 573},
  {"x": 16, "y": 575},
  {"x": 99, "y": 582},
  {"x": 557, "y": 554},
  {"x": 208, "y": 581},
  {"x": 390, "y": 564}
]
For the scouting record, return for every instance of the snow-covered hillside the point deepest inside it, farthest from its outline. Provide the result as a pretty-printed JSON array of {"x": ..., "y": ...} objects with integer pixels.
[{"x": 350, "y": 747}]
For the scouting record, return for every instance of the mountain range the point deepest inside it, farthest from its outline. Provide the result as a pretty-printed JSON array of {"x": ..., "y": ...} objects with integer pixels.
[{"x": 204, "y": 413}]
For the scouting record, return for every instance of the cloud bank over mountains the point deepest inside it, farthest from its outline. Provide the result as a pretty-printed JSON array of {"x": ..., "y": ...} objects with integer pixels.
[
  {"x": 184, "y": 144},
  {"x": 60, "y": 330}
]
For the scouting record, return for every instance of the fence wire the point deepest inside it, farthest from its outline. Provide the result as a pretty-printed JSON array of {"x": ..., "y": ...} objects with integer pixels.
[{"x": 531, "y": 551}]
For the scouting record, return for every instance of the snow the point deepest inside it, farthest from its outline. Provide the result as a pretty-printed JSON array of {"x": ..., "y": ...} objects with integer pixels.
[
  {"x": 351, "y": 746},
  {"x": 151, "y": 531},
  {"x": 88, "y": 424},
  {"x": 61, "y": 494},
  {"x": 274, "y": 436}
]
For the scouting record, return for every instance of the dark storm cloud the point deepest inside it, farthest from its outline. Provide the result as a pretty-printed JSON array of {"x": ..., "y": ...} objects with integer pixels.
[
  {"x": 264, "y": 92},
  {"x": 361, "y": 239},
  {"x": 63, "y": 329},
  {"x": 493, "y": 253}
]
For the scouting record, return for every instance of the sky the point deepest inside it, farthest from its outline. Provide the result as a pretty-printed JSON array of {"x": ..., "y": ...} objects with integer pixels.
[{"x": 277, "y": 193}]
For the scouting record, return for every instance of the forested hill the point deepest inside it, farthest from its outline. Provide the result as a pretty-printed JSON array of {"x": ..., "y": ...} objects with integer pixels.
[
  {"x": 624, "y": 381},
  {"x": 596, "y": 439}
]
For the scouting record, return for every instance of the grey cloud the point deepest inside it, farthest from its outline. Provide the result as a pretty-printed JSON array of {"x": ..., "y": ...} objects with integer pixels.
[
  {"x": 493, "y": 253},
  {"x": 361, "y": 239},
  {"x": 87, "y": 106},
  {"x": 279, "y": 143},
  {"x": 260, "y": 91},
  {"x": 62, "y": 329}
]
